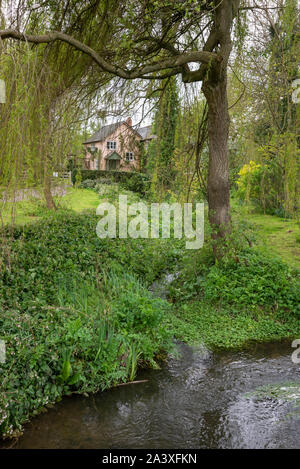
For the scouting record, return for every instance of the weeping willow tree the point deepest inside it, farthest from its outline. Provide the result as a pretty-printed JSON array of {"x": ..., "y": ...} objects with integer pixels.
[
  {"x": 34, "y": 123},
  {"x": 48, "y": 96},
  {"x": 151, "y": 40},
  {"x": 40, "y": 121},
  {"x": 25, "y": 118},
  {"x": 285, "y": 122}
]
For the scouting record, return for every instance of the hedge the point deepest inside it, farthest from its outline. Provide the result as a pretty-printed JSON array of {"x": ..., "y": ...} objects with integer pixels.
[
  {"x": 137, "y": 182},
  {"x": 116, "y": 176}
]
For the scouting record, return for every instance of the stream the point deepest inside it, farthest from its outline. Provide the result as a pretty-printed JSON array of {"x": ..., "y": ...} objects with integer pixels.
[{"x": 197, "y": 400}]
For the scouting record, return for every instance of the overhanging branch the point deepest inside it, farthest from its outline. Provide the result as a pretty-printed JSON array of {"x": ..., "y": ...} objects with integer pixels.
[{"x": 169, "y": 63}]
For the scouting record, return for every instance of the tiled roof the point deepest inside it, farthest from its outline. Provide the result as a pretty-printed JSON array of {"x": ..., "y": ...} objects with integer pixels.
[
  {"x": 104, "y": 132},
  {"x": 107, "y": 130},
  {"x": 145, "y": 132}
]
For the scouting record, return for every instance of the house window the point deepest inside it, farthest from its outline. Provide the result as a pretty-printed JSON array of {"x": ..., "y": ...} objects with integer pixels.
[
  {"x": 97, "y": 164},
  {"x": 93, "y": 148},
  {"x": 129, "y": 156},
  {"x": 111, "y": 145}
]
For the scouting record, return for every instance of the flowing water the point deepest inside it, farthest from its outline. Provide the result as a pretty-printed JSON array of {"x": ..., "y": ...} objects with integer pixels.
[{"x": 199, "y": 400}]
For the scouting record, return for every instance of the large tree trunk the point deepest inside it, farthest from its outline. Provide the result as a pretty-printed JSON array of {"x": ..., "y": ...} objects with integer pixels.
[
  {"x": 218, "y": 169},
  {"x": 47, "y": 190},
  {"x": 215, "y": 90}
]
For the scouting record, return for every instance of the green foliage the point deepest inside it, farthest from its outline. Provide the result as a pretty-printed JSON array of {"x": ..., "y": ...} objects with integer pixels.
[
  {"x": 136, "y": 182},
  {"x": 136, "y": 313},
  {"x": 72, "y": 316},
  {"x": 229, "y": 327},
  {"x": 262, "y": 185},
  {"x": 255, "y": 279},
  {"x": 91, "y": 183},
  {"x": 251, "y": 296},
  {"x": 38, "y": 127},
  {"x": 139, "y": 183},
  {"x": 273, "y": 185},
  {"x": 246, "y": 277},
  {"x": 161, "y": 150},
  {"x": 191, "y": 151},
  {"x": 132, "y": 361},
  {"x": 248, "y": 181}
]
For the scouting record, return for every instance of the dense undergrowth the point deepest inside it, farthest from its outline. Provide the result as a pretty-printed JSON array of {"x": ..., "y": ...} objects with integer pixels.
[
  {"x": 75, "y": 312},
  {"x": 77, "y": 316},
  {"x": 250, "y": 296}
]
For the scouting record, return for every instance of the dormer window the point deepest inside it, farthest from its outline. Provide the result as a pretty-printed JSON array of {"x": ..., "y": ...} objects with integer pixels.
[
  {"x": 129, "y": 156},
  {"x": 111, "y": 145}
]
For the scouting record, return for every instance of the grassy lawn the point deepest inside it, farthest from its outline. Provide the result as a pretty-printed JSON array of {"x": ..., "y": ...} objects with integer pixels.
[
  {"x": 79, "y": 200},
  {"x": 32, "y": 210},
  {"x": 279, "y": 236},
  {"x": 282, "y": 236}
]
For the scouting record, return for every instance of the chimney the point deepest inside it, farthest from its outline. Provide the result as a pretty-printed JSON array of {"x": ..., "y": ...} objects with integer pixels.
[{"x": 129, "y": 121}]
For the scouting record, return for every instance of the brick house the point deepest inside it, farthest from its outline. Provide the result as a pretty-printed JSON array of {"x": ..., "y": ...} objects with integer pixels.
[{"x": 116, "y": 146}]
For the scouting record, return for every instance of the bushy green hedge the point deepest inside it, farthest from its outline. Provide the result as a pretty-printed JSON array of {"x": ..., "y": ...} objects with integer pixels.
[{"x": 133, "y": 181}]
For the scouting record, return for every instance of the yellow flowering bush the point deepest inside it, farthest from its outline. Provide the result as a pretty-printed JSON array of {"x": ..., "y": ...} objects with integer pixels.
[
  {"x": 249, "y": 181},
  {"x": 246, "y": 169}
]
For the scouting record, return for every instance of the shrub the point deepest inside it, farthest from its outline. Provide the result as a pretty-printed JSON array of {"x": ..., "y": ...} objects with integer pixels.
[
  {"x": 256, "y": 279},
  {"x": 249, "y": 181},
  {"x": 247, "y": 279},
  {"x": 139, "y": 183},
  {"x": 266, "y": 187},
  {"x": 136, "y": 182},
  {"x": 88, "y": 184}
]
